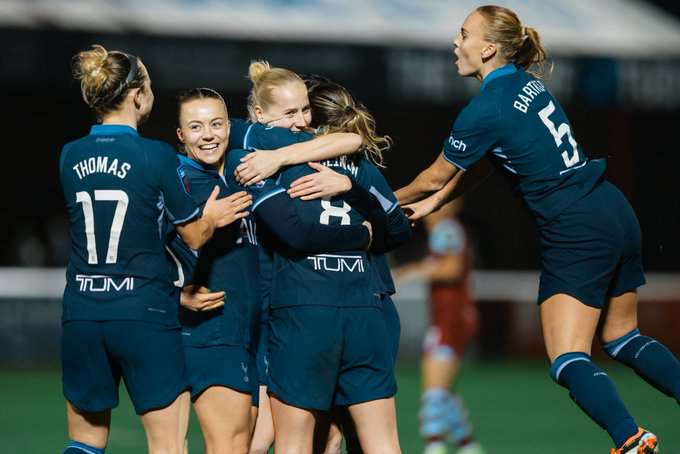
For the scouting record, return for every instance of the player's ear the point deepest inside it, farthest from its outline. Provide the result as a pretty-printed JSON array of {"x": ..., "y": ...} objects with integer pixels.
[
  {"x": 488, "y": 51},
  {"x": 180, "y": 136},
  {"x": 258, "y": 114}
]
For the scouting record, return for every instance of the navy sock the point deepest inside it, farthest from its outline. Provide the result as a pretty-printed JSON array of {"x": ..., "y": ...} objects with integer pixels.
[
  {"x": 595, "y": 393},
  {"x": 75, "y": 447},
  {"x": 649, "y": 359}
]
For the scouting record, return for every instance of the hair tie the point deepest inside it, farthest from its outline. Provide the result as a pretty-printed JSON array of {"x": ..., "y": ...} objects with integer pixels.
[
  {"x": 94, "y": 72},
  {"x": 524, "y": 34}
]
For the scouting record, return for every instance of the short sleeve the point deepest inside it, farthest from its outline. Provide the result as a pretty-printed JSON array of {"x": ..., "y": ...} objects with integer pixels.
[
  {"x": 447, "y": 237},
  {"x": 370, "y": 178},
  {"x": 174, "y": 185},
  {"x": 237, "y": 133},
  {"x": 261, "y": 191},
  {"x": 473, "y": 134},
  {"x": 263, "y": 137}
]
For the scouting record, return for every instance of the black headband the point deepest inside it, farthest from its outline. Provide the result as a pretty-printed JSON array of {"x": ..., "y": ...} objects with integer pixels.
[{"x": 133, "y": 69}]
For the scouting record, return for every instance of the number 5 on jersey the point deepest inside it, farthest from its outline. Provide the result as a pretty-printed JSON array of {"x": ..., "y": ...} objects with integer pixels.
[
  {"x": 104, "y": 195},
  {"x": 559, "y": 133}
]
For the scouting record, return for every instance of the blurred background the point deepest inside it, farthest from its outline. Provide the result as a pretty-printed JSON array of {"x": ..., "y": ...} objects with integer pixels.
[{"x": 616, "y": 73}]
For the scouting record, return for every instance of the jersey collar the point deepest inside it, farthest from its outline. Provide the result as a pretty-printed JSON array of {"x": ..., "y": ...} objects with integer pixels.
[
  {"x": 187, "y": 161},
  {"x": 113, "y": 129},
  {"x": 510, "y": 68}
]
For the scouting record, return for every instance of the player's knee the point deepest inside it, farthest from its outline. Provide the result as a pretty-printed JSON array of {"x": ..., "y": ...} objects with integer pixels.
[
  {"x": 563, "y": 361},
  {"x": 614, "y": 347}
]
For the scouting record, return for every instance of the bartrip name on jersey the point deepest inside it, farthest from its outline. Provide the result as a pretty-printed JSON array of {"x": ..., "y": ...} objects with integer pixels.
[
  {"x": 100, "y": 164},
  {"x": 531, "y": 90}
]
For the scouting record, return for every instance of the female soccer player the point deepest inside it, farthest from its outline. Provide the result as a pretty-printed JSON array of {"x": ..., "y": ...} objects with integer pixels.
[
  {"x": 590, "y": 236},
  {"x": 337, "y": 304},
  {"x": 218, "y": 342},
  {"x": 119, "y": 316},
  {"x": 454, "y": 321}
]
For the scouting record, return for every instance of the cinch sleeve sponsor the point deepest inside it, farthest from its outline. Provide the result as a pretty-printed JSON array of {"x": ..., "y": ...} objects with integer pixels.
[{"x": 473, "y": 134}]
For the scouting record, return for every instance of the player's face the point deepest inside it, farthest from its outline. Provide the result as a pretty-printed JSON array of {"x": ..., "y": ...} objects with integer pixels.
[
  {"x": 204, "y": 130},
  {"x": 470, "y": 46},
  {"x": 290, "y": 109}
]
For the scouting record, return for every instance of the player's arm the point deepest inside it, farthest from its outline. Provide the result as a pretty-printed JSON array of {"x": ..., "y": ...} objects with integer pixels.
[
  {"x": 216, "y": 213},
  {"x": 459, "y": 185},
  {"x": 281, "y": 217},
  {"x": 391, "y": 228},
  {"x": 429, "y": 181},
  {"x": 262, "y": 164}
]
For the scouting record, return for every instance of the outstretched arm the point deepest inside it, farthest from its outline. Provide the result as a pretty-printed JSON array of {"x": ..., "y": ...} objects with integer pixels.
[
  {"x": 430, "y": 180},
  {"x": 262, "y": 164},
  {"x": 459, "y": 185}
]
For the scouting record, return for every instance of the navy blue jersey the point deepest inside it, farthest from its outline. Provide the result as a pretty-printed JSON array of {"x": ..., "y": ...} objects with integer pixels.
[
  {"x": 120, "y": 190},
  {"x": 341, "y": 278},
  {"x": 521, "y": 127},
  {"x": 398, "y": 226},
  {"x": 228, "y": 262}
]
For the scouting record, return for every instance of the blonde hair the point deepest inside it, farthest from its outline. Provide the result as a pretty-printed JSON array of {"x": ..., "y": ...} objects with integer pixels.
[
  {"x": 105, "y": 77},
  {"x": 336, "y": 110},
  {"x": 516, "y": 43},
  {"x": 265, "y": 79}
]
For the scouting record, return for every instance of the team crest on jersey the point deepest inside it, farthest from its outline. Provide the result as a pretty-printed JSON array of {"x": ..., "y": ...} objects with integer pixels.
[
  {"x": 259, "y": 184},
  {"x": 184, "y": 179}
]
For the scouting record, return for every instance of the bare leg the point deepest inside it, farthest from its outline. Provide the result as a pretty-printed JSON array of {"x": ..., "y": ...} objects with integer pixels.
[
  {"x": 293, "y": 428},
  {"x": 438, "y": 372},
  {"x": 376, "y": 425},
  {"x": 327, "y": 433},
  {"x": 89, "y": 428},
  {"x": 224, "y": 415},
  {"x": 184, "y": 416},
  {"x": 263, "y": 434},
  {"x": 620, "y": 317},
  {"x": 568, "y": 325},
  {"x": 162, "y": 427}
]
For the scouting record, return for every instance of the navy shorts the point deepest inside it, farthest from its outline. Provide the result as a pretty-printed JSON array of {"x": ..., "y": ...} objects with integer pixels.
[
  {"x": 95, "y": 354},
  {"x": 220, "y": 365},
  {"x": 392, "y": 324},
  {"x": 321, "y": 356},
  {"x": 592, "y": 250}
]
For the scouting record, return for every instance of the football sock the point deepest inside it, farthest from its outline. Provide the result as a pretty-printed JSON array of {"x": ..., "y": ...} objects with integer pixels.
[
  {"x": 434, "y": 412},
  {"x": 75, "y": 447},
  {"x": 595, "y": 393},
  {"x": 649, "y": 359}
]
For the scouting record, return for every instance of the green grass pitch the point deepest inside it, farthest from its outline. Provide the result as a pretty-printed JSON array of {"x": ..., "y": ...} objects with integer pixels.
[{"x": 514, "y": 406}]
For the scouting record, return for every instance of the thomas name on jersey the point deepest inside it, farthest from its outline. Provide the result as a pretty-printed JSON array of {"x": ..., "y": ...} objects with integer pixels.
[
  {"x": 100, "y": 164},
  {"x": 531, "y": 90}
]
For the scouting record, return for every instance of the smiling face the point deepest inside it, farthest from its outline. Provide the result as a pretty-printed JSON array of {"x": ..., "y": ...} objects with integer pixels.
[
  {"x": 472, "y": 49},
  {"x": 290, "y": 108},
  {"x": 204, "y": 131}
]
